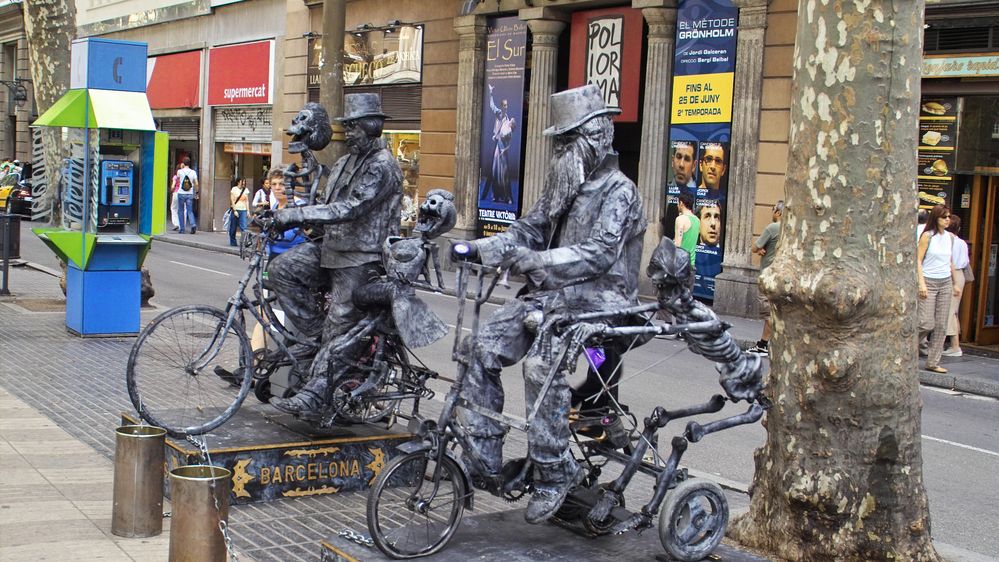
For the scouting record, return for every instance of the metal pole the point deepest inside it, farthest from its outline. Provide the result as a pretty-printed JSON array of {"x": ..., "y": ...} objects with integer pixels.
[
  {"x": 331, "y": 75},
  {"x": 6, "y": 250}
]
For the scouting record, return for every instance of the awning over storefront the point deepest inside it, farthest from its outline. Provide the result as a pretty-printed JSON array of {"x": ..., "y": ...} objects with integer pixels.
[{"x": 105, "y": 109}]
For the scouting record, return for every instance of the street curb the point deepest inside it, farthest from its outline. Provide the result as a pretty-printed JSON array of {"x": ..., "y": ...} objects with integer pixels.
[
  {"x": 198, "y": 245},
  {"x": 43, "y": 269},
  {"x": 953, "y": 382}
]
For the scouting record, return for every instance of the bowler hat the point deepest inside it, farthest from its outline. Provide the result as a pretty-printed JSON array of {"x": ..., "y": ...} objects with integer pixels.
[
  {"x": 356, "y": 106},
  {"x": 574, "y": 107}
]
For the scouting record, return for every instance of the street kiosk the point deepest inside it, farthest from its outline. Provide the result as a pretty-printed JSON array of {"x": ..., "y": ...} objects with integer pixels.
[{"x": 113, "y": 189}]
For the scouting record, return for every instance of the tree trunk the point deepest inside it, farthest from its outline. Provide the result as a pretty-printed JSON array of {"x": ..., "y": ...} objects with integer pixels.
[
  {"x": 840, "y": 476},
  {"x": 50, "y": 26},
  {"x": 331, "y": 76}
]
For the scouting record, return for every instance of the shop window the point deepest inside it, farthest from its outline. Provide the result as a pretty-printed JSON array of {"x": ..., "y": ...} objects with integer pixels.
[
  {"x": 405, "y": 145},
  {"x": 978, "y": 135}
]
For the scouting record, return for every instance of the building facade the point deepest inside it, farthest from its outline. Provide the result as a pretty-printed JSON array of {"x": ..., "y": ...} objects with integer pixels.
[
  {"x": 212, "y": 82},
  {"x": 17, "y": 107},
  {"x": 682, "y": 107}
]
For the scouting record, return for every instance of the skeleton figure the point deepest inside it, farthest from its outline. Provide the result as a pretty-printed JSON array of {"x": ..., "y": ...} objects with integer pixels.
[
  {"x": 740, "y": 374},
  {"x": 359, "y": 210},
  {"x": 406, "y": 260},
  {"x": 310, "y": 131},
  {"x": 580, "y": 248}
]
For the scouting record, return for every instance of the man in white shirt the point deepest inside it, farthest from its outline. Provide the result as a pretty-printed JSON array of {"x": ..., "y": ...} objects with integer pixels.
[{"x": 187, "y": 193}]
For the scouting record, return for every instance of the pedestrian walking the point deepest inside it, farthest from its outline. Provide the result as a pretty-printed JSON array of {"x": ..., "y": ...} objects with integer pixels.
[
  {"x": 686, "y": 229},
  {"x": 174, "y": 203},
  {"x": 924, "y": 343},
  {"x": 766, "y": 247},
  {"x": 961, "y": 261},
  {"x": 187, "y": 194},
  {"x": 239, "y": 204},
  {"x": 936, "y": 274}
]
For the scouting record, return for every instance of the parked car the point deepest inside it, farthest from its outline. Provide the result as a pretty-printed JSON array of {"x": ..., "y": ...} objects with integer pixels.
[{"x": 15, "y": 193}]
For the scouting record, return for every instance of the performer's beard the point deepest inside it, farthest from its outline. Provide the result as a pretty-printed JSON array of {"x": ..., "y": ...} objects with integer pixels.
[
  {"x": 360, "y": 145},
  {"x": 572, "y": 163}
]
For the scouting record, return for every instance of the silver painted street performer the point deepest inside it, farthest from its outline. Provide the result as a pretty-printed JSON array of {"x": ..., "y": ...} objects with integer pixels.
[
  {"x": 359, "y": 210},
  {"x": 580, "y": 249}
]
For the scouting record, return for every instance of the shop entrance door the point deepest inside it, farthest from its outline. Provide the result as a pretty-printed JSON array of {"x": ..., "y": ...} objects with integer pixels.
[{"x": 985, "y": 262}]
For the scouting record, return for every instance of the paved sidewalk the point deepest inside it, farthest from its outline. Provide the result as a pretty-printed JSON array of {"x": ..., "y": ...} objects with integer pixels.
[
  {"x": 973, "y": 374},
  {"x": 56, "y": 499}
]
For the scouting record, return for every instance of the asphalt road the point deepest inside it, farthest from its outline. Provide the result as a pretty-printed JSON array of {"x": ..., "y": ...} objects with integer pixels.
[{"x": 960, "y": 432}]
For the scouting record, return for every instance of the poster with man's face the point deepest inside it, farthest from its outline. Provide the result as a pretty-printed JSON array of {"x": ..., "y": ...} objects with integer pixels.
[
  {"x": 712, "y": 166},
  {"x": 709, "y": 252},
  {"x": 683, "y": 164},
  {"x": 681, "y": 175}
]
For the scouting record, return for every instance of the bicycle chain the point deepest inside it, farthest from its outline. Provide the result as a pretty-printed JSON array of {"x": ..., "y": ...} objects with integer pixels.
[{"x": 358, "y": 538}]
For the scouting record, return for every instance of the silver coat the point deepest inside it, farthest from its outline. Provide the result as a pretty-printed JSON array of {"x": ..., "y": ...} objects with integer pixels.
[
  {"x": 360, "y": 207},
  {"x": 592, "y": 255}
]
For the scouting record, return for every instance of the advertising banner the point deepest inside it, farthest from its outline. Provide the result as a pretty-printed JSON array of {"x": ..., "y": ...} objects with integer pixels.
[
  {"x": 935, "y": 157},
  {"x": 241, "y": 74},
  {"x": 502, "y": 125},
  {"x": 606, "y": 50},
  {"x": 701, "y": 127}
]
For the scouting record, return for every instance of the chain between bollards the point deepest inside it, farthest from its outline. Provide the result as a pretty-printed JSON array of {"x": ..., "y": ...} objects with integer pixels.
[{"x": 223, "y": 526}]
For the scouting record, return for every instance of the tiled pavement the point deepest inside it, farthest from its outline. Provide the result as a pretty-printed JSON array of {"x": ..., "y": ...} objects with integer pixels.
[{"x": 55, "y": 503}]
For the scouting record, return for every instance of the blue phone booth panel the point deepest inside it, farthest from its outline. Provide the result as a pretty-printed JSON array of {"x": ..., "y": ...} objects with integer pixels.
[{"x": 103, "y": 303}]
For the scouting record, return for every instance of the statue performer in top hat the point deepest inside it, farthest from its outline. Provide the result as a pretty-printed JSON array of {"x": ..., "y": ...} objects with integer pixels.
[
  {"x": 580, "y": 249},
  {"x": 359, "y": 209}
]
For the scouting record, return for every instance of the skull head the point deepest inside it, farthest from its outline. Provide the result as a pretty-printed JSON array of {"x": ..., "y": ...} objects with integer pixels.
[
  {"x": 437, "y": 214},
  {"x": 669, "y": 270},
  {"x": 310, "y": 128}
]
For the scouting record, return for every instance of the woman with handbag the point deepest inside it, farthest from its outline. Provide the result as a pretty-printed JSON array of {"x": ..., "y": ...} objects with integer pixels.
[
  {"x": 936, "y": 274},
  {"x": 963, "y": 275},
  {"x": 239, "y": 204}
]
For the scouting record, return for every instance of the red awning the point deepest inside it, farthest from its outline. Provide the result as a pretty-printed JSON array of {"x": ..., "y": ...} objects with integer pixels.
[{"x": 174, "y": 80}]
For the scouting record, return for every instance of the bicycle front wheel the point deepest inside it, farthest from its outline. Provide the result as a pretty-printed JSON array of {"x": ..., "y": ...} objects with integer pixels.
[
  {"x": 413, "y": 510},
  {"x": 186, "y": 373}
]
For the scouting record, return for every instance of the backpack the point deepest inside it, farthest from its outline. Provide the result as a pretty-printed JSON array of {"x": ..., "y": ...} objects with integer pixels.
[{"x": 186, "y": 184}]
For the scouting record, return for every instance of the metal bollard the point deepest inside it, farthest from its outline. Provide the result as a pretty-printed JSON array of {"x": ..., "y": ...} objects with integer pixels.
[
  {"x": 138, "y": 481},
  {"x": 200, "y": 496}
]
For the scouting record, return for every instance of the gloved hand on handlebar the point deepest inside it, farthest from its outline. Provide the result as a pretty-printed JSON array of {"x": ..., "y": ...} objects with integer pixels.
[
  {"x": 287, "y": 218},
  {"x": 464, "y": 250},
  {"x": 528, "y": 263}
]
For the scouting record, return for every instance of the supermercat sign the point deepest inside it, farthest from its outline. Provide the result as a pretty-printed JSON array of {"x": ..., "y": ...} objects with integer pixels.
[{"x": 961, "y": 66}]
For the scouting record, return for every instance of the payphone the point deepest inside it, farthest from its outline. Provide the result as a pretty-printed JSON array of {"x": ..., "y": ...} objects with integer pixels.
[{"x": 117, "y": 186}]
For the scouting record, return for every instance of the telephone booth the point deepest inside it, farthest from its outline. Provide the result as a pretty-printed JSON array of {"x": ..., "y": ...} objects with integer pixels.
[{"x": 113, "y": 188}]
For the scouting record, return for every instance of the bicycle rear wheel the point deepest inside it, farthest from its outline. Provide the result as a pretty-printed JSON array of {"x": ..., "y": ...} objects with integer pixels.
[
  {"x": 185, "y": 374},
  {"x": 406, "y": 518}
]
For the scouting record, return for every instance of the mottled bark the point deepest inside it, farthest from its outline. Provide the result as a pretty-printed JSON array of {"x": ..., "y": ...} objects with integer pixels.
[
  {"x": 840, "y": 477},
  {"x": 49, "y": 26}
]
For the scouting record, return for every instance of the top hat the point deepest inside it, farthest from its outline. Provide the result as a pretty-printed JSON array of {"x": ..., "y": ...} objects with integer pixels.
[
  {"x": 356, "y": 106},
  {"x": 574, "y": 107}
]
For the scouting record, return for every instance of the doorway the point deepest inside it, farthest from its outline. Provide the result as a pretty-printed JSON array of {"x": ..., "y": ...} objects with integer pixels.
[{"x": 980, "y": 305}]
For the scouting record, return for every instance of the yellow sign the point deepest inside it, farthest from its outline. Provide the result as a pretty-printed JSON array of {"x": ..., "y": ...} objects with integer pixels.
[{"x": 702, "y": 98}]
